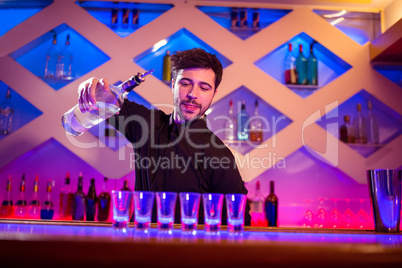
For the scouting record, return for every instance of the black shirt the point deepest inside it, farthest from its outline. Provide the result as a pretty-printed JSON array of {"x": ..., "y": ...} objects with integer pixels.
[{"x": 178, "y": 158}]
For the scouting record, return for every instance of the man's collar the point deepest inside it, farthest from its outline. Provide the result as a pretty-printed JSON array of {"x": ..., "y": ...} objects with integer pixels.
[{"x": 197, "y": 123}]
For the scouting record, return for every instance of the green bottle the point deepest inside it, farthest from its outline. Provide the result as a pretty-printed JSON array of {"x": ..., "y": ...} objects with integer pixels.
[
  {"x": 312, "y": 67},
  {"x": 301, "y": 67}
]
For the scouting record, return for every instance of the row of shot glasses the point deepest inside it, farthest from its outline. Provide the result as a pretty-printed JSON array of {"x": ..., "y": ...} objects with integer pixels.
[{"x": 189, "y": 207}]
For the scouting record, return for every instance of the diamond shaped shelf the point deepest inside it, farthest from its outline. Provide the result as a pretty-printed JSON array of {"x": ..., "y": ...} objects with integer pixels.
[
  {"x": 274, "y": 121},
  {"x": 124, "y": 18},
  {"x": 181, "y": 40},
  {"x": 86, "y": 56},
  {"x": 359, "y": 26},
  {"x": 13, "y": 13},
  {"x": 393, "y": 73},
  {"x": 330, "y": 66},
  {"x": 389, "y": 121},
  {"x": 24, "y": 112},
  {"x": 108, "y": 135},
  {"x": 310, "y": 178},
  {"x": 243, "y": 22}
]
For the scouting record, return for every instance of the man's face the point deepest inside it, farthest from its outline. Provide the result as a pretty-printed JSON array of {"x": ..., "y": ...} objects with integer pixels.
[{"x": 193, "y": 91}]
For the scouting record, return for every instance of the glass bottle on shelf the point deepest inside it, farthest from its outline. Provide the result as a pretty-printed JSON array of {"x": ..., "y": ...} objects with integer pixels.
[
  {"x": 7, "y": 208},
  {"x": 78, "y": 209},
  {"x": 52, "y": 56},
  {"x": 312, "y": 68},
  {"x": 256, "y": 126},
  {"x": 65, "y": 61},
  {"x": 301, "y": 67},
  {"x": 47, "y": 211},
  {"x": 103, "y": 203},
  {"x": 166, "y": 72},
  {"x": 21, "y": 204},
  {"x": 242, "y": 123},
  {"x": 34, "y": 205},
  {"x": 290, "y": 67},
  {"x": 347, "y": 131},
  {"x": 372, "y": 125},
  {"x": 91, "y": 202},
  {"x": 360, "y": 125},
  {"x": 230, "y": 124},
  {"x": 76, "y": 122},
  {"x": 271, "y": 207},
  {"x": 66, "y": 200},
  {"x": 257, "y": 205},
  {"x": 6, "y": 114}
]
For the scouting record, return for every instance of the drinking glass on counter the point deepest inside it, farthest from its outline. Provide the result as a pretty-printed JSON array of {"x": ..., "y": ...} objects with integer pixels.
[
  {"x": 235, "y": 204},
  {"x": 213, "y": 211},
  {"x": 189, "y": 205},
  {"x": 166, "y": 204},
  {"x": 143, "y": 204},
  {"x": 121, "y": 206}
]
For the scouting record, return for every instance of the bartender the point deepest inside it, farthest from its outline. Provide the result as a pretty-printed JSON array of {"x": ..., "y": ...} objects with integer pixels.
[{"x": 177, "y": 152}]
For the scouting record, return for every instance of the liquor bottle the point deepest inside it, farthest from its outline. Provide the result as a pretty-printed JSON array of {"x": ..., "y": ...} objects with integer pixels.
[
  {"x": 114, "y": 18},
  {"x": 21, "y": 204},
  {"x": 103, "y": 203},
  {"x": 230, "y": 124},
  {"x": 372, "y": 126},
  {"x": 34, "y": 205},
  {"x": 91, "y": 202},
  {"x": 76, "y": 122},
  {"x": 347, "y": 131},
  {"x": 64, "y": 61},
  {"x": 47, "y": 211},
  {"x": 256, "y": 20},
  {"x": 312, "y": 68},
  {"x": 257, "y": 200},
  {"x": 135, "y": 17},
  {"x": 301, "y": 67},
  {"x": 360, "y": 125},
  {"x": 78, "y": 209},
  {"x": 7, "y": 208},
  {"x": 52, "y": 55},
  {"x": 66, "y": 200},
  {"x": 167, "y": 74},
  {"x": 242, "y": 123},
  {"x": 290, "y": 67},
  {"x": 6, "y": 114},
  {"x": 125, "y": 18},
  {"x": 271, "y": 207},
  {"x": 256, "y": 126}
]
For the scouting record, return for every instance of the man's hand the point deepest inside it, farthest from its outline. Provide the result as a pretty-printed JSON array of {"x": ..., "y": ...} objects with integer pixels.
[{"x": 87, "y": 92}]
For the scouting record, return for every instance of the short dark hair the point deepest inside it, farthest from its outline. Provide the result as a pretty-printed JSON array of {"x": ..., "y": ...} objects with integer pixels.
[{"x": 196, "y": 58}]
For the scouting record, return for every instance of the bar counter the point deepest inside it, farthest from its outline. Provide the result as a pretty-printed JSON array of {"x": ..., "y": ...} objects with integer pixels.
[{"x": 72, "y": 244}]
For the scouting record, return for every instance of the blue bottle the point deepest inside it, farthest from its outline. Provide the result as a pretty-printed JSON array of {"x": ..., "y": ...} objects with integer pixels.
[{"x": 242, "y": 123}]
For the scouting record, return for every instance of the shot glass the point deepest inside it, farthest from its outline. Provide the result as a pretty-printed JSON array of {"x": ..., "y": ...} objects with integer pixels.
[
  {"x": 121, "y": 206},
  {"x": 235, "y": 205},
  {"x": 166, "y": 204},
  {"x": 143, "y": 204},
  {"x": 189, "y": 205},
  {"x": 212, "y": 211}
]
